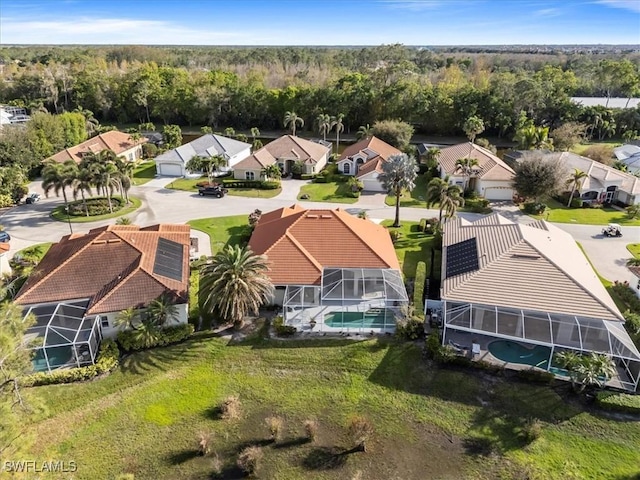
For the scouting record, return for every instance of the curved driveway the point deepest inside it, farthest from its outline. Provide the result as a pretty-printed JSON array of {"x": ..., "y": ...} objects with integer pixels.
[{"x": 30, "y": 224}]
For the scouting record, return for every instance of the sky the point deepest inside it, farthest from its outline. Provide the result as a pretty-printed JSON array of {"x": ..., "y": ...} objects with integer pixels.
[{"x": 326, "y": 22}]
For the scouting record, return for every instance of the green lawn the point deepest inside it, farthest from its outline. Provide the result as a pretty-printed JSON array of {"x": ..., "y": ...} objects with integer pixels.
[
  {"x": 582, "y": 147},
  {"x": 189, "y": 185},
  {"x": 412, "y": 247},
  {"x": 223, "y": 230},
  {"x": 327, "y": 192},
  {"x": 60, "y": 214},
  {"x": 144, "y": 172},
  {"x": 414, "y": 198},
  {"x": 427, "y": 422},
  {"x": 634, "y": 248},
  {"x": 556, "y": 212}
]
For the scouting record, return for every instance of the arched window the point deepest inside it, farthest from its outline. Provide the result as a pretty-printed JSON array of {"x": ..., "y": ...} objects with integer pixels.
[
  {"x": 346, "y": 168},
  {"x": 249, "y": 175}
]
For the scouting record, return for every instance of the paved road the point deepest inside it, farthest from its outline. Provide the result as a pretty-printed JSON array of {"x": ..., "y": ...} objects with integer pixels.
[{"x": 30, "y": 224}]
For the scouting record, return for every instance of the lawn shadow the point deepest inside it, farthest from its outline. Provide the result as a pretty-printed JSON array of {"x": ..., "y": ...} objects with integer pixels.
[
  {"x": 325, "y": 458},
  {"x": 182, "y": 457},
  {"x": 238, "y": 235},
  {"x": 292, "y": 442},
  {"x": 230, "y": 472},
  {"x": 260, "y": 442}
]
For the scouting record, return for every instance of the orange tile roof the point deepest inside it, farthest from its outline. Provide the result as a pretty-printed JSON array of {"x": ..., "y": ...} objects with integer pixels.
[
  {"x": 286, "y": 147},
  {"x": 4, "y": 247},
  {"x": 369, "y": 146},
  {"x": 112, "y": 266},
  {"x": 299, "y": 243},
  {"x": 116, "y": 141}
]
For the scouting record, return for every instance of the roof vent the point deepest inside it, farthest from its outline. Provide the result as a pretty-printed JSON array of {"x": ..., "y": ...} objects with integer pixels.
[
  {"x": 312, "y": 216},
  {"x": 524, "y": 255},
  {"x": 114, "y": 240},
  {"x": 99, "y": 242},
  {"x": 326, "y": 216}
]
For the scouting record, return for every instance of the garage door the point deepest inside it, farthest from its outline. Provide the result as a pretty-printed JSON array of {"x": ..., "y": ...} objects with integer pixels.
[
  {"x": 498, "y": 194},
  {"x": 170, "y": 170},
  {"x": 372, "y": 185}
]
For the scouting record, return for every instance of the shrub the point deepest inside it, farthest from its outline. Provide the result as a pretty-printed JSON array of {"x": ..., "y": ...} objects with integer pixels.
[
  {"x": 360, "y": 429},
  {"x": 204, "y": 443},
  {"x": 231, "y": 408},
  {"x": 261, "y": 185},
  {"x": 531, "y": 430},
  {"x": 576, "y": 202},
  {"x": 249, "y": 460},
  {"x": 432, "y": 225},
  {"x": 410, "y": 328},
  {"x": 395, "y": 235},
  {"x": 418, "y": 289},
  {"x": 477, "y": 205},
  {"x": 95, "y": 206},
  {"x": 535, "y": 376},
  {"x": 129, "y": 341},
  {"x": 339, "y": 178},
  {"x": 320, "y": 178},
  {"x": 149, "y": 150},
  {"x": 627, "y": 295},
  {"x": 423, "y": 224},
  {"x": 308, "y": 176},
  {"x": 534, "y": 208},
  {"x": 275, "y": 426},
  {"x": 107, "y": 361},
  {"x": 633, "y": 211},
  {"x": 270, "y": 185},
  {"x": 281, "y": 329},
  {"x": 311, "y": 429},
  {"x": 620, "y": 402}
]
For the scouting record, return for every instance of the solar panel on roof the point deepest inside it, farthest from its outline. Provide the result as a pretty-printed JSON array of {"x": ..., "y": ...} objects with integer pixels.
[
  {"x": 462, "y": 257},
  {"x": 168, "y": 261}
]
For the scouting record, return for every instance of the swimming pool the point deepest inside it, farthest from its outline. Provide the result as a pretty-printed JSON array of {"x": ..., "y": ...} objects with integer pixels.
[
  {"x": 513, "y": 352},
  {"x": 371, "y": 319}
]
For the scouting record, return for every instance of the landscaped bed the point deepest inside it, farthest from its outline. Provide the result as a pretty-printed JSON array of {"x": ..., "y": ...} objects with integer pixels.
[
  {"x": 98, "y": 209},
  {"x": 146, "y": 417},
  {"x": 191, "y": 185},
  {"x": 557, "y": 212}
]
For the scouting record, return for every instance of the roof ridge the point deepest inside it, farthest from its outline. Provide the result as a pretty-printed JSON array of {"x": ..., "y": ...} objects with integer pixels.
[
  {"x": 108, "y": 288},
  {"x": 303, "y": 250},
  {"x": 338, "y": 211},
  {"x": 120, "y": 283},
  {"x": 295, "y": 140}
]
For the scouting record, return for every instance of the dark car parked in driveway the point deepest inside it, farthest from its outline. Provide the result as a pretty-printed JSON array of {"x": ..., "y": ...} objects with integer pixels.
[
  {"x": 5, "y": 237},
  {"x": 215, "y": 190},
  {"x": 32, "y": 198}
]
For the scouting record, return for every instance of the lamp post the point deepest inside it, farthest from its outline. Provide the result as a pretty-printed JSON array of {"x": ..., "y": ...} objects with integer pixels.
[{"x": 66, "y": 209}]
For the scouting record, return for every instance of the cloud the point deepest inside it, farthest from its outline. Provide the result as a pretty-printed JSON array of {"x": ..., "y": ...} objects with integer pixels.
[
  {"x": 88, "y": 30},
  {"x": 633, "y": 5},
  {"x": 548, "y": 12}
]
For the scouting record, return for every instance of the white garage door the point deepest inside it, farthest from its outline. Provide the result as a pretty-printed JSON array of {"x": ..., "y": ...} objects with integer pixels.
[
  {"x": 498, "y": 194},
  {"x": 170, "y": 169},
  {"x": 372, "y": 185}
]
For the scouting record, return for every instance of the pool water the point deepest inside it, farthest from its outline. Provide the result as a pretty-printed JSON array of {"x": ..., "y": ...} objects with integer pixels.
[
  {"x": 357, "y": 320},
  {"x": 512, "y": 352}
]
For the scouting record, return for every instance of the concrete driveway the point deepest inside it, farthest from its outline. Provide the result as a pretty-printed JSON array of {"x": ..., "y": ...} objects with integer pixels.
[{"x": 30, "y": 224}]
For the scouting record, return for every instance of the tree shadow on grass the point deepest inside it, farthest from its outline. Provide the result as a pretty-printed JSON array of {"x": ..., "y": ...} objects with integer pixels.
[
  {"x": 238, "y": 235},
  {"x": 292, "y": 442},
  {"x": 325, "y": 458},
  {"x": 182, "y": 457}
]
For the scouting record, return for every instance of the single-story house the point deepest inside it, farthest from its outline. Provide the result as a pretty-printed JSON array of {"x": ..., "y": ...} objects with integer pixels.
[
  {"x": 491, "y": 178},
  {"x": 333, "y": 272},
  {"x": 284, "y": 152},
  {"x": 522, "y": 292},
  {"x": 85, "y": 280},
  {"x": 173, "y": 162},
  {"x": 364, "y": 160},
  {"x": 4, "y": 257},
  {"x": 118, "y": 142},
  {"x": 629, "y": 155}
]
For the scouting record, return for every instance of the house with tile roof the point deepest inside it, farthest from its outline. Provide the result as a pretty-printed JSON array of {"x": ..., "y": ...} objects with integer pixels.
[
  {"x": 173, "y": 162},
  {"x": 491, "y": 178},
  {"x": 85, "y": 280},
  {"x": 284, "y": 152},
  {"x": 524, "y": 292},
  {"x": 118, "y": 142},
  {"x": 354, "y": 285},
  {"x": 364, "y": 160}
]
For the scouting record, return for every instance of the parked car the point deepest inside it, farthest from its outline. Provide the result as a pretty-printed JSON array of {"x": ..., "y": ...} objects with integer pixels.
[
  {"x": 215, "y": 190},
  {"x": 4, "y": 237},
  {"x": 32, "y": 198},
  {"x": 612, "y": 230}
]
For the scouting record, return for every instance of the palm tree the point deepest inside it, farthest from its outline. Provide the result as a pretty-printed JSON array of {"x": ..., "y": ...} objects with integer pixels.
[
  {"x": 398, "y": 173},
  {"x": 449, "y": 197},
  {"x": 575, "y": 182},
  {"x": 466, "y": 167},
  {"x": 162, "y": 310},
  {"x": 255, "y": 132},
  {"x": 128, "y": 318},
  {"x": 431, "y": 157},
  {"x": 58, "y": 176},
  {"x": 336, "y": 122},
  {"x": 587, "y": 370},
  {"x": 324, "y": 125},
  {"x": 123, "y": 221},
  {"x": 365, "y": 131},
  {"x": 473, "y": 127},
  {"x": 292, "y": 120},
  {"x": 91, "y": 124},
  {"x": 80, "y": 185},
  {"x": 272, "y": 172},
  {"x": 209, "y": 165},
  {"x": 235, "y": 284}
]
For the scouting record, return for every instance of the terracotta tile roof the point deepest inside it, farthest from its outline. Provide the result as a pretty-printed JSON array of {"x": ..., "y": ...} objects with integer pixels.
[
  {"x": 286, "y": 147},
  {"x": 490, "y": 167},
  {"x": 374, "y": 150},
  {"x": 535, "y": 266},
  {"x": 4, "y": 247},
  {"x": 116, "y": 141},
  {"x": 299, "y": 243},
  {"x": 112, "y": 266}
]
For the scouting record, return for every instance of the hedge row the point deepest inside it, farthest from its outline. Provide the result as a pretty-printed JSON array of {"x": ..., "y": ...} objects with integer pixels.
[
  {"x": 261, "y": 185},
  {"x": 107, "y": 361},
  {"x": 130, "y": 341},
  {"x": 281, "y": 329},
  {"x": 620, "y": 402},
  {"x": 418, "y": 289}
]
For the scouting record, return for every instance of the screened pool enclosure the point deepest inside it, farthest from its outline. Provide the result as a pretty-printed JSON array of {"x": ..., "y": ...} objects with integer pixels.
[
  {"x": 557, "y": 331},
  {"x": 348, "y": 300},
  {"x": 62, "y": 336}
]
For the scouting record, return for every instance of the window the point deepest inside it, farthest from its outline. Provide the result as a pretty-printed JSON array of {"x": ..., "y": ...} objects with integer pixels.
[
  {"x": 104, "y": 321},
  {"x": 249, "y": 175},
  {"x": 346, "y": 168}
]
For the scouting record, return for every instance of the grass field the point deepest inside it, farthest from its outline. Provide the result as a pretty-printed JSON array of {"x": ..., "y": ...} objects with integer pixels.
[
  {"x": 556, "y": 212},
  {"x": 327, "y": 192},
  {"x": 144, "y": 172},
  {"x": 413, "y": 247},
  {"x": 414, "y": 198},
  {"x": 427, "y": 422},
  {"x": 60, "y": 214},
  {"x": 634, "y": 249},
  {"x": 223, "y": 230}
]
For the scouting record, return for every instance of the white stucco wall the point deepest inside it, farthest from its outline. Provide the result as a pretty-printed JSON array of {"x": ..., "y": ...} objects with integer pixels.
[{"x": 111, "y": 331}]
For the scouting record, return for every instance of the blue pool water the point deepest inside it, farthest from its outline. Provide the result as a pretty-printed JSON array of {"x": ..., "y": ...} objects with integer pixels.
[{"x": 513, "y": 352}]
